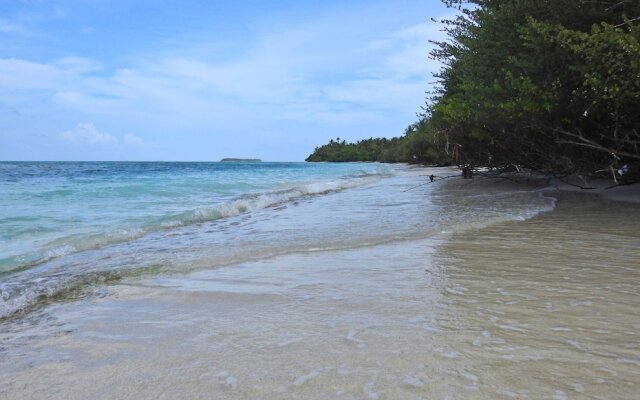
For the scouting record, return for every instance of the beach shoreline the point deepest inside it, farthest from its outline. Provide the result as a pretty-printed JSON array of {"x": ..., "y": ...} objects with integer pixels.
[
  {"x": 607, "y": 188},
  {"x": 510, "y": 304}
]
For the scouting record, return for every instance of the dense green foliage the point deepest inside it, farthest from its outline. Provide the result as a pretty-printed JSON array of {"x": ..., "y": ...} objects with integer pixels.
[
  {"x": 550, "y": 85},
  {"x": 415, "y": 146},
  {"x": 363, "y": 150}
]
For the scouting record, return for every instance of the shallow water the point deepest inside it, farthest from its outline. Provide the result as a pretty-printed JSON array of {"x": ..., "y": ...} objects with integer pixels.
[
  {"x": 550, "y": 307},
  {"x": 446, "y": 291},
  {"x": 53, "y": 209},
  {"x": 122, "y": 219}
]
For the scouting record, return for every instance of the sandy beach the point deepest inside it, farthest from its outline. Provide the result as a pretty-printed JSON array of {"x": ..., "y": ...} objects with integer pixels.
[{"x": 542, "y": 308}]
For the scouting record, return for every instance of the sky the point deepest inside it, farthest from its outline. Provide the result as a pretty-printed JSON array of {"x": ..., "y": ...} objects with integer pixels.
[{"x": 156, "y": 80}]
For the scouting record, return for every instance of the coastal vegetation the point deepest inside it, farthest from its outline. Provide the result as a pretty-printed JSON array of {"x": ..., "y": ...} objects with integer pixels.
[
  {"x": 415, "y": 146},
  {"x": 550, "y": 86}
]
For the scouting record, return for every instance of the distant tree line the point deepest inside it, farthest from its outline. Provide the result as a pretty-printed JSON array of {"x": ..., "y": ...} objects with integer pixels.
[
  {"x": 415, "y": 146},
  {"x": 548, "y": 85}
]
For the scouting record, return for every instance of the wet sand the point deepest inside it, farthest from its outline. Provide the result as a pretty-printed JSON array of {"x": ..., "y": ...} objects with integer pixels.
[
  {"x": 547, "y": 308},
  {"x": 550, "y": 307}
]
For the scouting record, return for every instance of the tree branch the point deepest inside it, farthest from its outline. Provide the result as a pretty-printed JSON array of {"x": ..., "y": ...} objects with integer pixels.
[{"x": 594, "y": 145}]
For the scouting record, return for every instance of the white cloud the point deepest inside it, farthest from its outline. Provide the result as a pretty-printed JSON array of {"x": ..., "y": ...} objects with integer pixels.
[
  {"x": 316, "y": 64},
  {"x": 78, "y": 65},
  {"x": 343, "y": 69},
  {"x": 88, "y": 134},
  {"x": 24, "y": 75},
  {"x": 11, "y": 28},
  {"x": 133, "y": 140}
]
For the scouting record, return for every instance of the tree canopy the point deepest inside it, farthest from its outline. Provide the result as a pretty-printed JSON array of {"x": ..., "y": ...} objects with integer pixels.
[{"x": 550, "y": 85}]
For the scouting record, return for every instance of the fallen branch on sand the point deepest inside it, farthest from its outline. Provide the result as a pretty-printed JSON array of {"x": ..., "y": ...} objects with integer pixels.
[{"x": 431, "y": 180}]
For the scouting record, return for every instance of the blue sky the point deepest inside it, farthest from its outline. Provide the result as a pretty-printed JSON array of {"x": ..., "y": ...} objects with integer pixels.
[{"x": 202, "y": 80}]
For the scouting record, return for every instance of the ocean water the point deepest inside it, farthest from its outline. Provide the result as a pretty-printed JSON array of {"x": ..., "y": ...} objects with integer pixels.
[
  {"x": 56, "y": 215},
  {"x": 68, "y": 225},
  {"x": 352, "y": 281},
  {"x": 50, "y": 209}
]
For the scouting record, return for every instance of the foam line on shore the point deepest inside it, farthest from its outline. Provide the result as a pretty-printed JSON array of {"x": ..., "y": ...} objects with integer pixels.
[{"x": 243, "y": 204}]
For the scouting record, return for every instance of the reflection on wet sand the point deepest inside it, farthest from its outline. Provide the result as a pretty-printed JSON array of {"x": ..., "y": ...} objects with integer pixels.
[
  {"x": 344, "y": 324},
  {"x": 550, "y": 308}
]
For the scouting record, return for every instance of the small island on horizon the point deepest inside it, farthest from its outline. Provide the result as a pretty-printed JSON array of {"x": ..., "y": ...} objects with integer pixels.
[{"x": 241, "y": 160}]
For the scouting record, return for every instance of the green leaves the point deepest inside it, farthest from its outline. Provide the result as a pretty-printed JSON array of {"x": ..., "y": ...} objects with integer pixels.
[
  {"x": 519, "y": 73},
  {"x": 551, "y": 85},
  {"x": 420, "y": 144}
]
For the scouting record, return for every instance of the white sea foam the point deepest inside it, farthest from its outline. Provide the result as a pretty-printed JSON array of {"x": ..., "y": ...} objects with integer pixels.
[
  {"x": 107, "y": 203},
  {"x": 59, "y": 251},
  {"x": 222, "y": 210},
  {"x": 265, "y": 200},
  {"x": 56, "y": 276}
]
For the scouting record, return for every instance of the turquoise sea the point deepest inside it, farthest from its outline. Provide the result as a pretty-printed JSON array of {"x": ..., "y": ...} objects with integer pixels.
[
  {"x": 50, "y": 209},
  {"x": 59, "y": 210}
]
